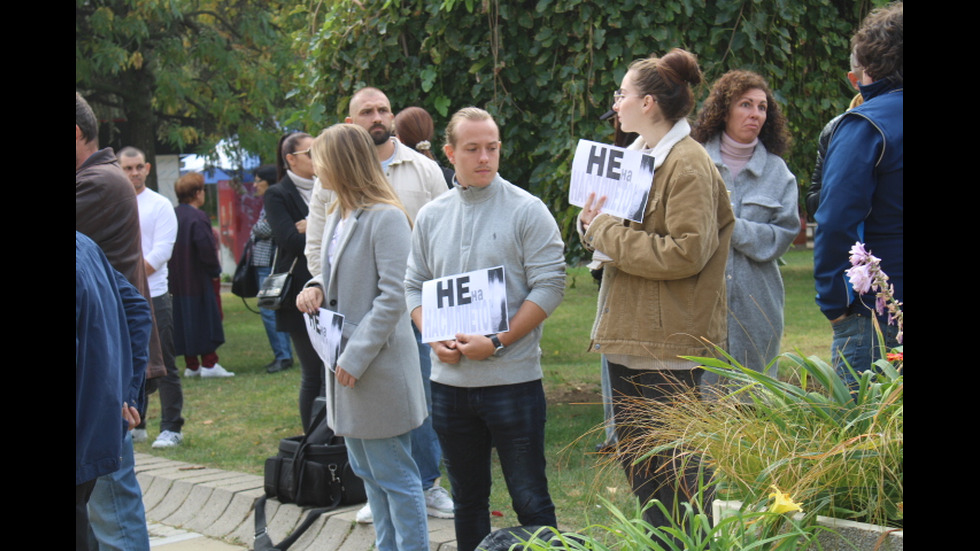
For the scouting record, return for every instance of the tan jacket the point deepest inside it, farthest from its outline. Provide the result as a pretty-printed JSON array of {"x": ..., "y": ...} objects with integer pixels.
[{"x": 665, "y": 289}]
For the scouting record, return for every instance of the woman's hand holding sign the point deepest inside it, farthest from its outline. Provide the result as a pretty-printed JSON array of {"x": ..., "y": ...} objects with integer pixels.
[{"x": 592, "y": 209}]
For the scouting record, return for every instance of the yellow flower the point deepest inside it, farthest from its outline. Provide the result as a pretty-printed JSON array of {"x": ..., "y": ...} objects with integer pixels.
[{"x": 782, "y": 503}]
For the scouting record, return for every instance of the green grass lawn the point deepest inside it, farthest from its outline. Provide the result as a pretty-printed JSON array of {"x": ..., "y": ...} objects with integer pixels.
[{"x": 236, "y": 423}]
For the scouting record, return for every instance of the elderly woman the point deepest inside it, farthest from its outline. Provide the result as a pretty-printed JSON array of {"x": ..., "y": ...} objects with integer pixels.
[
  {"x": 745, "y": 133},
  {"x": 193, "y": 267},
  {"x": 663, "y": 279},
  {"x": 375, "y": 395}
]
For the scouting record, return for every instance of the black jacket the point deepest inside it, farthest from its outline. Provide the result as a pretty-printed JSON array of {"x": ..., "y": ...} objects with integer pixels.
[{"x": 284, "y": 206}]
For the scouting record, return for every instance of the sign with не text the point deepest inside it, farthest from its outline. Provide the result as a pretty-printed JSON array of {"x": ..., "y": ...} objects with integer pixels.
[
  {"x": 326, "y": 330},
  {"x": 622, "y": 176},
  {"x": 471, "y": 303}
]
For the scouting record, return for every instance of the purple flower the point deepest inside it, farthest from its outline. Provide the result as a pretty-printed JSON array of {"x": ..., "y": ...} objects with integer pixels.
[
  {"x": 858, "y": 254},
  {"x": 881, "y": 306},
  {"x": 860, "y": 277}
]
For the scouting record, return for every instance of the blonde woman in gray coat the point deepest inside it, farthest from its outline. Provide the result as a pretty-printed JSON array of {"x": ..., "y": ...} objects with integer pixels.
[{"x": 374, "y": 393}]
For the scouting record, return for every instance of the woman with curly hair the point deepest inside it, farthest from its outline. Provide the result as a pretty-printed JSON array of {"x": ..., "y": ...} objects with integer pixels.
[{"x": 745, "y": 133}]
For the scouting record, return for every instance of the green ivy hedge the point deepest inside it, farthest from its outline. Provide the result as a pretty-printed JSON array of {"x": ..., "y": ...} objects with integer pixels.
[{"x": 548, "y": 69}]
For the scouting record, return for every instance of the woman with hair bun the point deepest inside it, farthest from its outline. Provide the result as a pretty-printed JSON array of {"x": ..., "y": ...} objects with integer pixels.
[
  {"x": 745, "y": 133},
  {"x": 414, "y": 128},
  {"x": 663, "y": 286}
]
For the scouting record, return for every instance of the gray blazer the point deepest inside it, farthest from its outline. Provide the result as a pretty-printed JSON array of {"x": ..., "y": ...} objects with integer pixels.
[{"x": 365, "y": 284}]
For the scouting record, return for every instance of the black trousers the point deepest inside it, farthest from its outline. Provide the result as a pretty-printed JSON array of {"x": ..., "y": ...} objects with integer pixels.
[{"x": 665, "y": 477}]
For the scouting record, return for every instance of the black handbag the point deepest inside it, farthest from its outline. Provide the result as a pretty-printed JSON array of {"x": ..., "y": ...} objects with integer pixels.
[
  {"x": 313, "y": 470},
  {"x": 244, "y": 283},
  {"x": 275, "y": 288}
]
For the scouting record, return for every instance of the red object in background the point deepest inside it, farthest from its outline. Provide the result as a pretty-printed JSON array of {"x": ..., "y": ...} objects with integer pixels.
[
  {"x": 238, "y": 209},
  {"x": 801, "y": 237}
]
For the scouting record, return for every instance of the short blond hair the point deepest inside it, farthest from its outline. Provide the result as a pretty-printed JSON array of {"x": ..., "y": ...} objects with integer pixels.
[{"x": 465, "y": 114}]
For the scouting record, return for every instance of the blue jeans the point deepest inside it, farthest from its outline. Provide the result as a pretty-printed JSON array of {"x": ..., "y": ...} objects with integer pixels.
[
  {"x": 469, "y": 421},
  {"x": 855, "y": 339},
  {"x": 394, "y": 491},
  {"x": 607, "y": 404},
  {"x": 277, "y": 340},
  {"x": 115, "y": 509},
  {"x": 425, "y": 443}
]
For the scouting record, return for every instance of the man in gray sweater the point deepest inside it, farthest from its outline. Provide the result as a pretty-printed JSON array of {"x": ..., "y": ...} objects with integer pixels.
[{"x": 486, "y": 389}]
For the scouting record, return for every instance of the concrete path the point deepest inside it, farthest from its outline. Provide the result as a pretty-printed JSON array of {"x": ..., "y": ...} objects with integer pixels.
[{"x": 195, "y": 508}]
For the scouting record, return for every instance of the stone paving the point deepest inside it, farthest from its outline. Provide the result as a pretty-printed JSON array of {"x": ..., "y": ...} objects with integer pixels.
[{"x": 183, "y": 499}]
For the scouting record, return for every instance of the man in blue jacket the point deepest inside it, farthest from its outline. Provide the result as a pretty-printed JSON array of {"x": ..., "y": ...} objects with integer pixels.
[
  {"x": 862, "y": 196},
  {"x": 112, "y": 335}
]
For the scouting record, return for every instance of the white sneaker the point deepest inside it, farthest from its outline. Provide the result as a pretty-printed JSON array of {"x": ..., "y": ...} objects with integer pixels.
[
  {"x": 168, "y": 439},
  {"x": 188, "y": 372},
  {"x": 216, "y": 371},
  {"x": 438, "y": 503},
  {"x": 139, "y": 435},
  {"x": 364, "y": 516}
]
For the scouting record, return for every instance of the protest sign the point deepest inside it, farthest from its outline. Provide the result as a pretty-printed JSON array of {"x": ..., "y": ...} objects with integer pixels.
[
  {"x": 620, "y": 175},
  {"x": 470, "y": 303},
  {"x": 326, "y": 330}
]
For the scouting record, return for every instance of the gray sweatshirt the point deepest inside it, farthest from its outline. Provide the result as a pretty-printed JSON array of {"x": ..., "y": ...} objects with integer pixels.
[{"x": 475, "y": 228}]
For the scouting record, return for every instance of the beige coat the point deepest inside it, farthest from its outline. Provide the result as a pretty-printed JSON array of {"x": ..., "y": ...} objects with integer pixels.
[{"x": 665, "y": 288}]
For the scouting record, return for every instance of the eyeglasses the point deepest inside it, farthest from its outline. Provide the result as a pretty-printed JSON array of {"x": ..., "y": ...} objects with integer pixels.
[
  {"x": 619, "y": 95},
  {"x": 304, "y": 152}
]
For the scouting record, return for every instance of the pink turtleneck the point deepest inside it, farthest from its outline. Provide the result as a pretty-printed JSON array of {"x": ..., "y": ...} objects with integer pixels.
[{"x": 735, "y": 154}]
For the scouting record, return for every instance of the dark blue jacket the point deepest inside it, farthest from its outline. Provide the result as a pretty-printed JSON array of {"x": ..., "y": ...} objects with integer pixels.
[
  {"x": 112, "y": 336},
  {"x": 862, "y": 198}
]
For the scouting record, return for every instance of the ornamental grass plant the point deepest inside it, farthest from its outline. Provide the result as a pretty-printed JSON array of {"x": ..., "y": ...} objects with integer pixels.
[
  {"x": 820, "y": 443},
  {"x": 742, "y": 531},
  {"x": 837, "y": 453},
  {"x": 815, "y": 447}
]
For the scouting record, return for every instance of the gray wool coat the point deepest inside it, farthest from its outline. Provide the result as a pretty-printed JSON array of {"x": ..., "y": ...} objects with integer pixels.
[
  {"x": 764, "y": 198},
  {"x": 365, "y": 284}
]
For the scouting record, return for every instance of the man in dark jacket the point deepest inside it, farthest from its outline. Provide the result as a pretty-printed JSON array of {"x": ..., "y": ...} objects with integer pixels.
[{"x": 106, "y": 211}]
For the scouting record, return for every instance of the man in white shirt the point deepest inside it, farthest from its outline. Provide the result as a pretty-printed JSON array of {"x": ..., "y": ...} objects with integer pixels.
[{"x": 158, "y": 230}]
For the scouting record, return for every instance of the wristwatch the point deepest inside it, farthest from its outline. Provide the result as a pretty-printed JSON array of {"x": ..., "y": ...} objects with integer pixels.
[{"x": 497, "y": 345}]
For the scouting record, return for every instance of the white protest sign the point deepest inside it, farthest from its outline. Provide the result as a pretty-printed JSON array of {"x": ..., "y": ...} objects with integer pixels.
[
  {"x": 471, "y": 303},
  {"x": 620, "y": 175},
  {"x": 326, "y": 331}
]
